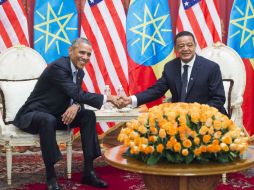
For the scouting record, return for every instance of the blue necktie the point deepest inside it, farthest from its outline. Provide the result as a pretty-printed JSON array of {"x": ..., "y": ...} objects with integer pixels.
[{"x": 184, "y": 80}]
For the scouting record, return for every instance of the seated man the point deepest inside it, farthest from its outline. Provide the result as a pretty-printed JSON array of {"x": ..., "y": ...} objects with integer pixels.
[
  {"x": 189, "y": 77},
  {"x": 56, "y": 102}
]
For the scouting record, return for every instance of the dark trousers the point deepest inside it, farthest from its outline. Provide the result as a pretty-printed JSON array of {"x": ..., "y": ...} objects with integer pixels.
[{"x": 46, "y": 125}]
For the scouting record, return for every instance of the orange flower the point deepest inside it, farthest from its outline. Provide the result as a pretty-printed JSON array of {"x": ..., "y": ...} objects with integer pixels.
[
  {"x": 169, "y": 145},
  {"x": 187, "y": 143},
  {"x": 134, "y": 150},
  {"x": 172, "y": 131},
  {"x": 197, "y": 140},
  {"x": 226, "y": 139},
  {"x": 162, "y": 133},
  {"x": 160, "y": 148},
  {"x": 224, "y": 147},
  {"x": 216, "y": 141},
  {"x": 206, "y": 138},
  {"x": 154, "y": 130},
  {"x": 195, "y": 117},
  {"x": 217, "y": 134},
  {"x": 197, "y": 152},
  {"x": 152, "y": 138},
  {"x": 185, "y": 152},
  {"x": 177, "y": 147},
  {"x": 203, "y": 148},
  {"x": 165, "y": 127},
  {"x": 217, "y": 125},
  {"x": 149, "y": 150},
  {"x": 142, "y": 129}
]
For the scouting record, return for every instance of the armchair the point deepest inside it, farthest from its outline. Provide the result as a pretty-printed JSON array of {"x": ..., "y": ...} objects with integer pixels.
[
  {"x": 233, "y": 76},
  {"x": 20, "y": 68}
]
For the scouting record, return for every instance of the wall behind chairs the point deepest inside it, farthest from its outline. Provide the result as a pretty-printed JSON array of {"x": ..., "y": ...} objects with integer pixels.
[{"x": 224, "y": 8}]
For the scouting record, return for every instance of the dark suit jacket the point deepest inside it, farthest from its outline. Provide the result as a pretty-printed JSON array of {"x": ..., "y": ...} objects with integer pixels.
[
  {"x": 205, "y": 84},
  {"x": 53, "y": 92}
]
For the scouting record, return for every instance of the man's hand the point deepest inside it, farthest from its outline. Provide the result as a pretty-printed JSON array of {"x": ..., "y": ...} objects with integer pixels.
[
  {"x": 124, "y": 101},
  {"x": 113, "y": 100},
  {"x": 70, "y": 114}
]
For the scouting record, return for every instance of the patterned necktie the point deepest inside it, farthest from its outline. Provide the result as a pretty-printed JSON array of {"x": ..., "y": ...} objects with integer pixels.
[
  {"x": 74, "y": 76},
  {"x": 74, "y": 79},
  {"x": 184, "y": 80}
]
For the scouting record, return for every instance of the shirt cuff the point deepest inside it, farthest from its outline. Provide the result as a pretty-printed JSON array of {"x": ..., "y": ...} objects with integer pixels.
[
  {"x": 105, "y": 98},
  {"x": 134, "y": 101}
]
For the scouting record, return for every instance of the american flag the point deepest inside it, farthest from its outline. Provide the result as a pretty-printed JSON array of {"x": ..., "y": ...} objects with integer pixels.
[
  {"x": 13, "y": 24},
  {"x": 202, "y": 19},
  {"x": 103, "y": 24}
]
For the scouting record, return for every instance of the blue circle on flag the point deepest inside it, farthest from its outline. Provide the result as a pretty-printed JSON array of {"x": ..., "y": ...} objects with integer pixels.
[{"x": 149, "y": 32}]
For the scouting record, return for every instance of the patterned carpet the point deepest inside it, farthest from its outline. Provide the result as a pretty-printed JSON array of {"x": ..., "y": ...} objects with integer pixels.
[{"x": 28, "y": 174}]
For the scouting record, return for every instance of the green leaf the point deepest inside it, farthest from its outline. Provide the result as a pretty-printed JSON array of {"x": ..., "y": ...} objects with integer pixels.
[
  {"x": 188, "y": 121},
  {"x": 179, "y": 158},
  {"x": 223, "y": 158},
  {"x": 153, "y": 159},
  {"x": 170, "y": 157},
  {"x": 189, "y": 158}
]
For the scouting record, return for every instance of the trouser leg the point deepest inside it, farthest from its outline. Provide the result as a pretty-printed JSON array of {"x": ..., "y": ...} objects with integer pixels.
[
  {"x": 45, "y": 125},
  {"x": 86, "y": 121}
]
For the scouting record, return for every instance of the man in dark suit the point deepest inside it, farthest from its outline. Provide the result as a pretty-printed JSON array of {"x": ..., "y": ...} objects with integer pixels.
[
  {"x": 189, "y": 77},
  {"x": 57, "y": 103}
]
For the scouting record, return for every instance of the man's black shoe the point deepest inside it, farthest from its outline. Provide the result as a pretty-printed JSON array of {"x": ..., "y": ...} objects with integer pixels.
[
  {"x": 52, "y": 184},
  {"x": 93, "y": 180}
]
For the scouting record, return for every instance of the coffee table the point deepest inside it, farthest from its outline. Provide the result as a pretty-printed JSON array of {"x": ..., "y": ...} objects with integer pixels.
[{"x": 165, "y": 176}]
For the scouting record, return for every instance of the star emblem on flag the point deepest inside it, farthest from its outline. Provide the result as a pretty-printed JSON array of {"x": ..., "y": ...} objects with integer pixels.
[
  {"x": 149, "y": 21},
  {"x": 53, "y": 28},
  {"x": 241, "y": 28},
  {"x": 243, "y": 24},
  {"x": 148, "y": 29}
]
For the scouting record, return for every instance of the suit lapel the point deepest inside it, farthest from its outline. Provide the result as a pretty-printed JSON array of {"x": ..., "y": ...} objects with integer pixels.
[{"x": 194, "y": 74}]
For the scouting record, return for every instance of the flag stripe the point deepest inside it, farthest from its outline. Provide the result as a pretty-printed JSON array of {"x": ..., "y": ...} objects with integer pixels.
[
  {"x": 202, "y": 20},
  {"x": 20, "y": 14},
  {"x": 10, "y": 13},
  {"x": 195, "y": 27},
  {"x": 115, "y": 47},
  {"x": 97, "y": 51},
  {"x": 5, "y": 38},
  {"x": 13, "y": 23},
  {"x": 214, "y": 16},
  {"x": 102, "y": 35},
  {"x": 103, "y": 25}
]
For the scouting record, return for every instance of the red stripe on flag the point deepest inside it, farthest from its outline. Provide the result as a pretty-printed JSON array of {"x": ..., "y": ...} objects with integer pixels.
[
  {"x": 90, "y": 35},
  {"x": 16, "y": 26},
  {"x": 117, "y": 21},
  {"x": 91, "y": 72},
  {"x": 204, "y": 30},
  {"x": 5, "y": 36},
  {"x": 110, "y": 45},
  {"x": 196, "y": 29},
  {"x": 209, "y": 21},
  {"x": 248, "y": 101}
]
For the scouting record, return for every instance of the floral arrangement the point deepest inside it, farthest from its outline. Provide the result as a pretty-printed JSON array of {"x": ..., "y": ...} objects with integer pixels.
[{"x": 183, "y": 133}]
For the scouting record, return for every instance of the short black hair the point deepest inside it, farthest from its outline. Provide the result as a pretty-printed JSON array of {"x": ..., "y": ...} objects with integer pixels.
[
  {"x": 184, "y": 33},
  {"x": 78, "y": 40}
]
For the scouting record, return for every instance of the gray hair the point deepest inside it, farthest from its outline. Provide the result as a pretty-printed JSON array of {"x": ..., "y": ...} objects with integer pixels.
[{"x": 76, "y": 42}]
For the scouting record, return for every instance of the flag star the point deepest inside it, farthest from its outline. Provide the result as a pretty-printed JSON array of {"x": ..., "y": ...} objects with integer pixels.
[
  {"x": 91, "y": 1},
  {"x": 186, "y": 3}
]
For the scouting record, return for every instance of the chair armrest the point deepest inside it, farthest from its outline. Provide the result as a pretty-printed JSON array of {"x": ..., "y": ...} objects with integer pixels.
[{"x": 6, "y": 130}]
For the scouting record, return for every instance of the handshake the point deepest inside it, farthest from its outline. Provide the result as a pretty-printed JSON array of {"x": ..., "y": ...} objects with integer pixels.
[{"x": 119, "y": 101}]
